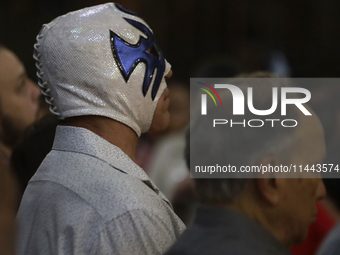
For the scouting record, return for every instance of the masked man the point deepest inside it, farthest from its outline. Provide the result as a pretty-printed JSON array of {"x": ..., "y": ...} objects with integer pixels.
[{"x": 103, "y": 75}]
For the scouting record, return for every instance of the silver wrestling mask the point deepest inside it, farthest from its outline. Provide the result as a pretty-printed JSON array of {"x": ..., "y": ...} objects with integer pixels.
[{"x": 101, "y": 60}]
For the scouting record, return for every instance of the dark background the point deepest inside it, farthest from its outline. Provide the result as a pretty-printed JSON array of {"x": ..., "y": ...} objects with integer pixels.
[{"x": 243, "y": 33}]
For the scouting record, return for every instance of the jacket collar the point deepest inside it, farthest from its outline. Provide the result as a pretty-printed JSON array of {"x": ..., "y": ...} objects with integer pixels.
[{"x": 81, "y": 140}]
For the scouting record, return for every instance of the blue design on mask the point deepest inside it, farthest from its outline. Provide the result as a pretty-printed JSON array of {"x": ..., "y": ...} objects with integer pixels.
[{"x": 128, "y": 56}]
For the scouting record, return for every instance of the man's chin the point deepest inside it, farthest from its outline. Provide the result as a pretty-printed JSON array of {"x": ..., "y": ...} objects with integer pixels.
[
  {"x": 303, "y": 235},
  {"x": 160, "y": 126}
]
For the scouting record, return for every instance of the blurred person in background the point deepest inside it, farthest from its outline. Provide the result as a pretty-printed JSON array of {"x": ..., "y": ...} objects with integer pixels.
[
  {"x": 19, "y": 101},
  {"x": 325, "y": 103},
  {"x": 331, "y": 244},
  {"x": 8, "y": 208},
  {"x": 104, "y": 77},
  {"x": 261, "y": 215}
]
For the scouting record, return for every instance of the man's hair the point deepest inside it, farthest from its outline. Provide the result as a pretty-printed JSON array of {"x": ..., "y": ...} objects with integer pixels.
[{"x": 239, "y": 146}]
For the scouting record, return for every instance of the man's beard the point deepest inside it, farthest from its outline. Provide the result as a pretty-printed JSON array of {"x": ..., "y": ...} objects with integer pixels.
[{"x": 11, "y": 134}]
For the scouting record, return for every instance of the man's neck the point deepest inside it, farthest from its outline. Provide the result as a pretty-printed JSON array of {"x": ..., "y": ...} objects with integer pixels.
[
  {"x": 249, "y": 205},
  {"x": 112, "y": 131}
]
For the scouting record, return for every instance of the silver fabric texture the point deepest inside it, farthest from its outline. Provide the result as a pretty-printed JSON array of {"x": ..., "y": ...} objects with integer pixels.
[
  {"x": 88, "y": 197},
  {"x": 78, "y": 73}
]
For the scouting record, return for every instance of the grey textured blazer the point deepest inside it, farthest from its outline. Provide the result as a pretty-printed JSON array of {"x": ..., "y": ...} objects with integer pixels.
[{"x": 88, "y": 197}]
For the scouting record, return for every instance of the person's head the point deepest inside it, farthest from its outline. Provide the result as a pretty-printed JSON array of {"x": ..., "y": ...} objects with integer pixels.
[
  {"x": 104, "y": 61},
  {"x": 18, "y": 98},
  {"x": 290, "y": 204},
  {"x": 284, "y": 206}
]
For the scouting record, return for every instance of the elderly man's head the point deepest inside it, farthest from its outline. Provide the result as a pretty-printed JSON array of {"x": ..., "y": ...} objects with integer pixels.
[
  {"x": 284, "y": 206},
  {"x": 289, "y": 205},
  {"x": 18, "y": 98}
]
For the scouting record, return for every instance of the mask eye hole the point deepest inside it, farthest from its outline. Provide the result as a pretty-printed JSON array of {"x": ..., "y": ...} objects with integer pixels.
[{"x": 153, "y": 50}]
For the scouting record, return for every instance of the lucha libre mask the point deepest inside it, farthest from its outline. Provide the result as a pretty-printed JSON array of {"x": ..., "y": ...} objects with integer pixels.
[{"x": 101, "y": 60}]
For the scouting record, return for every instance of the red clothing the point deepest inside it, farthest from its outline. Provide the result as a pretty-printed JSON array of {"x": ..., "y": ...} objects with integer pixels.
[{"x": 317, "y": 232}]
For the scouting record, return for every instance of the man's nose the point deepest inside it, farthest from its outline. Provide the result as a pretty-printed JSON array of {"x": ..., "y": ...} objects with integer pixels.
[{"x": 34, "y": 91}]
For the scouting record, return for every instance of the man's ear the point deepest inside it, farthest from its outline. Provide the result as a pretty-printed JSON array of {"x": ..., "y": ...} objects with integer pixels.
[{"x": 268, "y": 187}]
